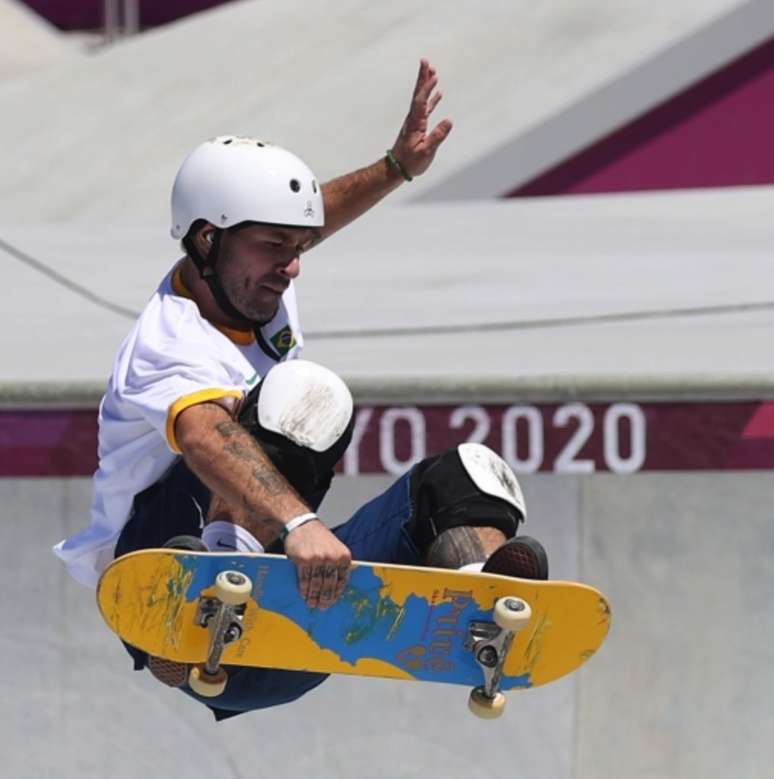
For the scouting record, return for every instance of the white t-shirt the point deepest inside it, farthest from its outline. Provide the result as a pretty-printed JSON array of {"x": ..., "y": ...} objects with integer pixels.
[{"x": 172, "y": 359}]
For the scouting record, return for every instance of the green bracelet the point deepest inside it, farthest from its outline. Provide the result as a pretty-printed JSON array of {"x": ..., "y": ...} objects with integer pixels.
[{"x": 390, "y": 157}]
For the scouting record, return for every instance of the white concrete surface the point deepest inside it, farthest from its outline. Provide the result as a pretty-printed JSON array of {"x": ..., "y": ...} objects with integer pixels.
[
  {"x": 72, "y": 685},
  {"x": 29, "y": 43},
  {"x": 620, "y": 98},
  {"x": 523, "y": 265},
  {"x": 680, "y": 689},
  {"x": 685, "y": 686},
  {"x": 332, "y": 81}
]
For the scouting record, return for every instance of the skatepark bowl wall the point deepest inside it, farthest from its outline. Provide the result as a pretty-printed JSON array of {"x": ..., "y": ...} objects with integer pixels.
[{"x": 665, "y": 506}]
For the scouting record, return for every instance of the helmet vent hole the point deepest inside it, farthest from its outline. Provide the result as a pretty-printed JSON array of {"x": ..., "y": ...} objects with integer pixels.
[
  {"x": 314, "y": 186},
  {"x": 295, "y": 185},
  {"x": 260, "y": 144},
  {"x": 226, "y": 143}
]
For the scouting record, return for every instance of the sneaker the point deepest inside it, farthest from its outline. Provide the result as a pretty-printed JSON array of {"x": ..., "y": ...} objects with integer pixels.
[
  {"x": 522, "y": 557},
  {"x": 167, "y": 671},
  {"x": 188, "y": 543}
]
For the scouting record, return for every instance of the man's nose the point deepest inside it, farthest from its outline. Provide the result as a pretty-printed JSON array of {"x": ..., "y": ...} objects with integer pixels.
[{"x": 292, "y": 268}]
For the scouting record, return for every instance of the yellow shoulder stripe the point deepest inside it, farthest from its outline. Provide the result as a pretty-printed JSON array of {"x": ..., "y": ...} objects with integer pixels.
[{"x": 181, "y": 404}]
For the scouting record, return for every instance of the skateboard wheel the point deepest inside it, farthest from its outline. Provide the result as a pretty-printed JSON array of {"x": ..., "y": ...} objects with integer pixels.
[
  {"x": 207, "y": 685},
  {"x": 512, "y": 613},
  {"x": 484, "y": 707},
  {"x": 232, "y": 588}
]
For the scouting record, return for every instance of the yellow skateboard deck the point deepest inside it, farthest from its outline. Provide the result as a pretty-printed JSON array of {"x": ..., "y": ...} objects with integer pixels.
[{"x": 392, "y": 621}]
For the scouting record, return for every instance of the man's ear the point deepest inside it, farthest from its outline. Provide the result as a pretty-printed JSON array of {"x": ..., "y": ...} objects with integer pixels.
[{"x": 204, "y": 238}]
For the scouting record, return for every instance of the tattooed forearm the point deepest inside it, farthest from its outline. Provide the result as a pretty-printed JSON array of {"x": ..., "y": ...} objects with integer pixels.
[
  {"x": 264, "y": 529},
  {"x": 253, "y": 493},
  {"x": 263, "y": 469},
  {"x": 271, "y": 481}
]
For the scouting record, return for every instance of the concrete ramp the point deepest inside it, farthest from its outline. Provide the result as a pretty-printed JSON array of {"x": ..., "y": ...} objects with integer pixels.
[
  {"x": 680, "y": 689},
  {"x": 28, "y": 42},
  {"x": 333, "y": 85},
  {"x": 684, "y": 687}
]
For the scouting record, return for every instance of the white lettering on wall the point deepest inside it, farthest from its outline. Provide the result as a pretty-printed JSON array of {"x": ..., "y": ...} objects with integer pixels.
[{"x": 418, "y": 439}]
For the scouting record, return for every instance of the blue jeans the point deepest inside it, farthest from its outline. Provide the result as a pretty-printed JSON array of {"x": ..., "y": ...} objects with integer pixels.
[{"x": 376, "y": 533}]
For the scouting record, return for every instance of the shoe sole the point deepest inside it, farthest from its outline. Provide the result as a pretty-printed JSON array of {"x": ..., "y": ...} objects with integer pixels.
[
  {"x": 522, "y": 558},
  {"x": 167, "y": 672}
]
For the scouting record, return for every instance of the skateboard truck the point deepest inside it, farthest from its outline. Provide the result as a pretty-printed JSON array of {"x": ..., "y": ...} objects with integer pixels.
[
  {"x": 222, "y": 616},
  {"x": 490, "y": 643}
]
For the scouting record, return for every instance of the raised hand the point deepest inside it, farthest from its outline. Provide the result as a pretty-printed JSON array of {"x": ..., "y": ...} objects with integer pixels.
[{"x": 415, "y": 148}]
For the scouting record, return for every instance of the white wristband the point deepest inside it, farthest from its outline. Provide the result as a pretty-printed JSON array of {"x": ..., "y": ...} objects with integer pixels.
[{"x": 297, "y": 522}]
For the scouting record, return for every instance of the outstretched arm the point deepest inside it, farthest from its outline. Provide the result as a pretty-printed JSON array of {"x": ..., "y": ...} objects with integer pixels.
[{"x": 351, "y": 195}]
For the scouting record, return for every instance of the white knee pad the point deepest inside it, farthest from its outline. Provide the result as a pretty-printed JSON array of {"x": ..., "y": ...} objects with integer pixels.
[
  {"x": 492, "y": 475},
  {"x": 306, "y": 403}
]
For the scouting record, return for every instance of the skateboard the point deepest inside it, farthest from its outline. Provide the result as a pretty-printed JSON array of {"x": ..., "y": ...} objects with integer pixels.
[{"x": 492, "y": 633}]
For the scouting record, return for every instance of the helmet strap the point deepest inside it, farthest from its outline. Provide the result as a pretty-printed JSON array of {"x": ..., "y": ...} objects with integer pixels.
[{"x": 206, "y": 268}]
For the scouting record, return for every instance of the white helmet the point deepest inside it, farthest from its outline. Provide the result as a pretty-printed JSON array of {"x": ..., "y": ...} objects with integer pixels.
[{"x": 232, "y": 179}]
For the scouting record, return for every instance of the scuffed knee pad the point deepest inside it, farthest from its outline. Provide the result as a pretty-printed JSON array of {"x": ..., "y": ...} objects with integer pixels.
[
  {"x": 301, "y": 414},
  {"x": 469, "y": 485},
  {"x": 492, "y": 475}
]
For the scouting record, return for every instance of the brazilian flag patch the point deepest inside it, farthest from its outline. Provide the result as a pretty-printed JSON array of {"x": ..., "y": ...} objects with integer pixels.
[{"x": 284, "y": 340}]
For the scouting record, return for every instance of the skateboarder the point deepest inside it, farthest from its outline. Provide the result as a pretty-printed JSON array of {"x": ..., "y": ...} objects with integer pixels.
[{"x": 213, "y": 435}]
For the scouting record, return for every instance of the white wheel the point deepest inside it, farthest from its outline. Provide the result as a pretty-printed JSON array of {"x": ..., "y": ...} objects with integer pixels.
[
  {"x": 512, "y": 613},
  {"x": 486, "y": 708},
  {"x": 232, "y": 588},
  {"x": 207, "y": 685}
]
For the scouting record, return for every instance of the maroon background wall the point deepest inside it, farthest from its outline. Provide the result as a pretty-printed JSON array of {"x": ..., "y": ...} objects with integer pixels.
[
  {"x": 717, "y": 133},
  {"x": 88, "y": 14},
  {"x": 560, "y": 438}
]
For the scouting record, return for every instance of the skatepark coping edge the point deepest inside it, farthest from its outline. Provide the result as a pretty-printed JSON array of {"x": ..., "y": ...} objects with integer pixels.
[{"x": 452, "y": 389}]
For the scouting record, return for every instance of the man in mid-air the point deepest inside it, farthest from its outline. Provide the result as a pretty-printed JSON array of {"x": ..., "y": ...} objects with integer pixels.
[{"x": 213, "y": 435}]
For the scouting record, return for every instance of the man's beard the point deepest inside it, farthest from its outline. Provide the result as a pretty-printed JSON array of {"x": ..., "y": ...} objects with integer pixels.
[
  {"x": 255, "y": 312},
  {"x": 264, "y": 320}
]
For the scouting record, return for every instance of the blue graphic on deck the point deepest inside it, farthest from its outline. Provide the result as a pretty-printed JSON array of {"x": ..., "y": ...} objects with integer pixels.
[{"x": 423, "y": 639}]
